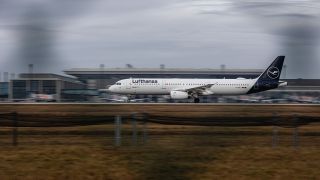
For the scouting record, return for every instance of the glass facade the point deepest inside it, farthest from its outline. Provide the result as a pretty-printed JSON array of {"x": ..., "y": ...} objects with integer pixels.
[
  {"x": 49, "y": 86},
  {"x": 34, "y": 86},
  {"x": 4, "y": 89},
  {"x": 19, "y": 90}
]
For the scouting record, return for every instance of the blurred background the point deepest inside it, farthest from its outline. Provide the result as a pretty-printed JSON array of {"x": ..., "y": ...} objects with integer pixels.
[{"x": 65, "y": 51}]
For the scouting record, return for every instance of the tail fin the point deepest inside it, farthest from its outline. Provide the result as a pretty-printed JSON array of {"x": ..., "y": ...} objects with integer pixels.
[
  {"x": 269, "y": 79},
  {"x": 272, "y": 73}
]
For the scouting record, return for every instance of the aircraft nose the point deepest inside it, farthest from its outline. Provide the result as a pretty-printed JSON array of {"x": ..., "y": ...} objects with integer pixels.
[{"x": 111, "y": 88}]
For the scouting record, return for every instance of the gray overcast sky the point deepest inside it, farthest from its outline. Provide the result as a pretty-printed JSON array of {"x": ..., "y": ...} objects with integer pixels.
[{"x": 61, "y": 34}]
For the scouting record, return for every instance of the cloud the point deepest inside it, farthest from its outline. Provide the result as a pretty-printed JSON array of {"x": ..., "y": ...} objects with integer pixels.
[
  {"x": 295, "y": 25},
  {"x": 32, "y": 24},
  {"x": 57, "y": 34}
]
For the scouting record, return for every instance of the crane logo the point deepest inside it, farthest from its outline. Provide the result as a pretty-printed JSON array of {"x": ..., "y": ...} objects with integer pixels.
[{"x": 273, "y": 72}]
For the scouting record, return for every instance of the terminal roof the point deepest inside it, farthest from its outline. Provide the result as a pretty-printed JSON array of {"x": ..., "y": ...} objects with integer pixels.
[{"x": 159, "y": 71}]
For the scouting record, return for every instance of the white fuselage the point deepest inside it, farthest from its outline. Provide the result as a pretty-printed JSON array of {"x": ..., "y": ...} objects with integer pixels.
[{"x": 149, "y": 86}]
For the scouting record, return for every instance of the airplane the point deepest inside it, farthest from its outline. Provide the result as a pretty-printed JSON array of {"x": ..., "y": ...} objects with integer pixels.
[
  {"x": 194, "y": 88},
  {"x": 42, "y": 97}
]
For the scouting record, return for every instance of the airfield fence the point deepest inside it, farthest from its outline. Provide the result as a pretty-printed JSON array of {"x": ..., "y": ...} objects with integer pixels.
[{"x": 15, "y": 121}]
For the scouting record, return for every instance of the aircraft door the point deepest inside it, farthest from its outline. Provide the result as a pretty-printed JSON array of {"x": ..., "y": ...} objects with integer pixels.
[
  {"x": 128, "y": 84},
  {"x": 163, "y": 86},
  {"x": 131, "y": 88}
]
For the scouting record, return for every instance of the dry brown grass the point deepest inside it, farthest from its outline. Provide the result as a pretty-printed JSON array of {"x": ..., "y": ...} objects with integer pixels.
[{"x": 172, "y": 152}]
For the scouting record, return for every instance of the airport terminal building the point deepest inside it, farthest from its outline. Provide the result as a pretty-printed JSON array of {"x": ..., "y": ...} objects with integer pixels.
[
  {"x": 99, "y": 78},
  {"x": 51, "y": 84},
  {"x": 83, "y": 85}
]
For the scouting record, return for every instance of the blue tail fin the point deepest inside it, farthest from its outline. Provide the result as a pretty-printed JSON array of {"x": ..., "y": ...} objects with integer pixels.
[
  {"x": 269, "y": 79},
  {"x": 274, "y": 70}
]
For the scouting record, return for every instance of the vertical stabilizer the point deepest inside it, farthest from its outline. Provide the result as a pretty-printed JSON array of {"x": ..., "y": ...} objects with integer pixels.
[
  {"x": 269, "y": 79},
  {"x": 274, "y": 70}
]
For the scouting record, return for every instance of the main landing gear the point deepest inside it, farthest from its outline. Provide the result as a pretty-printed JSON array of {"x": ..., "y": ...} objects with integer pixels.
[
  {"x": 196, "y": 100},
  {"x": 195, "y": 97}
]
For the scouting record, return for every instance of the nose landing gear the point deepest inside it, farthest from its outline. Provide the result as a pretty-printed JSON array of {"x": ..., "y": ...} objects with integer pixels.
[{"x": 128, "y": 98}]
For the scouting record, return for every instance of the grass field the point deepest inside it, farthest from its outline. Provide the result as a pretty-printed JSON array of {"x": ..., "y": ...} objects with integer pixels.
[{"x": 169, "y": 152}]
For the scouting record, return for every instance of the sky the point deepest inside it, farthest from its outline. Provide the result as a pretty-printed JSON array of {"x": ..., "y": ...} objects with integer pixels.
[{"x": 244, "y": 34}]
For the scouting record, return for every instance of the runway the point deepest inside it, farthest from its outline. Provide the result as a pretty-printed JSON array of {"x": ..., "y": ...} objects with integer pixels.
[{"x": 174, "y": 104}]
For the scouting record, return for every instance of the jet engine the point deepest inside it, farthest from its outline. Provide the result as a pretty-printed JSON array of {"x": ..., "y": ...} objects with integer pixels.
[{"x": 179, "y": 95}]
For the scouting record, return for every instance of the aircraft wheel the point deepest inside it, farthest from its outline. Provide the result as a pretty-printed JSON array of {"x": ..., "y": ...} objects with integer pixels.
[{"x": 196, "y": 100}]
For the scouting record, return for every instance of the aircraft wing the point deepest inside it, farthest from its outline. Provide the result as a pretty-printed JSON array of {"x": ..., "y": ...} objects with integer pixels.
[
  {"x": 125, "y": 100},
  {"x": 113, "y": 100},
  {"x": 205, "y": 89}
]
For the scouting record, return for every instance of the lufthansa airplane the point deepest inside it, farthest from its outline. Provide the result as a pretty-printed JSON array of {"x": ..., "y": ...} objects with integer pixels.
[{"x": 193, "y": 88}]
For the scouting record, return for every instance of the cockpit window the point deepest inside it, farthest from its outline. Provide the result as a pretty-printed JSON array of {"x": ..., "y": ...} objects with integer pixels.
[{"x": 118, "y": 83}]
